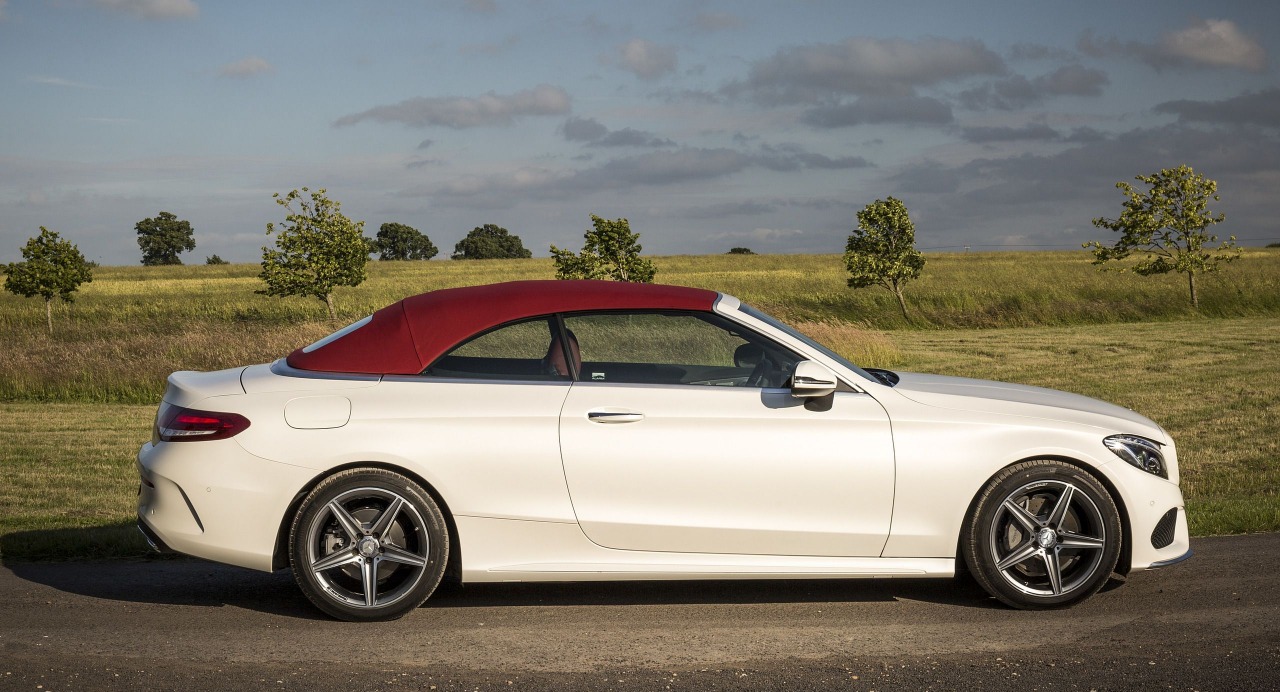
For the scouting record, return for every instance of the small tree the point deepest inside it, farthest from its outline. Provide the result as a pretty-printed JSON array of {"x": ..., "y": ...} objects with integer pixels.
[
  {"x": 50, "y": 267},
  {"x": 214, "y": 259},
  {"x": 397, "y": 241},
  {"x": 490, "y": 242},
  {"x": 318, "y": 249},
  {"x": 610, "y": 251},
  {"x": 740, "y": 251},
  {"x": 1168, "y": 226},
  {"x": 882, "y": 249},
  {"x": 163, "y": 237}
]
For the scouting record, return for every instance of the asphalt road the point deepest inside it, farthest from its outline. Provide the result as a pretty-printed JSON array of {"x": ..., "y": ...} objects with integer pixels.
[{"x": 1212, "y": 623}]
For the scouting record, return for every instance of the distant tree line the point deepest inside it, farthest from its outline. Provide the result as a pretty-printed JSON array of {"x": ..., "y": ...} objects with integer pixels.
[{"x": 317, "y": 248}]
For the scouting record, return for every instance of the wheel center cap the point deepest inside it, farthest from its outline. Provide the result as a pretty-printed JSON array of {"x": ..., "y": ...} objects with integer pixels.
[
  {"x": 1046, "y": 537},
  {"x": 369, "y": 546}
]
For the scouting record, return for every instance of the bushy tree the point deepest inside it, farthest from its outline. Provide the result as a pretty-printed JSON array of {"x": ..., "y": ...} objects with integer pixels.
[
  {"x": 610, "y": 251},
  {"x": 1167, "y": 226},
  {"x": 882, "y": 249},
  {"x": 317, "y": 249},
  {"x": 163, "y": 237},
  {"x": 490, "y": 242},
  {"x": 50, "y": 267},
  {"x": 214, "y": 259},
  {"x": 740, "y": 251},
  {"x": 397, "y": 241}
]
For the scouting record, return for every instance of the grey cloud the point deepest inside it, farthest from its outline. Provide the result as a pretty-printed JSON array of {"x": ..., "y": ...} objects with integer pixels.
[
  {"x": 902, "y": 110},
  {"x": 667, "y": 167},
  {"x": 1209, "y": 43},
  {"x": 152, "y": 9},
  {"x": 864, "y": 65},
  {"x": 793, "y": 157},
  {"x": 1086, "y": 135},
  {"x": 645, "y": 59},
  {"x": 1038, "y": 51},
  {"x": 627, "y": 137},
  {"x": 482, "y": 6},
  {"x": 929, "y": 177},
  {"x": 1017, "y": 92},
  {"x": 577, "y": 129},
  {"x": 489, "y": 110},
  {"x": 595, "y": 134},
  {"x": 1073, "y": 80},
  {"x": 1252, "y": 108},
  {"x": 727, "y": 209},
  {"x": 1033, "y": 131},
  {"x": 425, "y": 143}
]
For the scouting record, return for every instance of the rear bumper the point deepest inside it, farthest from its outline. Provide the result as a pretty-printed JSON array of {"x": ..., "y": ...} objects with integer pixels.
[{"x": 214, "y": 500}]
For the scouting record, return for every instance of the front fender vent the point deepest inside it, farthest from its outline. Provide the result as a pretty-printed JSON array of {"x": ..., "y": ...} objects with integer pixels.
[{"x": 1163, "y": 535}]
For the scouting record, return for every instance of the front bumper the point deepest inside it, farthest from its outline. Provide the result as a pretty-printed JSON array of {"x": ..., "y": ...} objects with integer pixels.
[{"x": 214, "y": 500}]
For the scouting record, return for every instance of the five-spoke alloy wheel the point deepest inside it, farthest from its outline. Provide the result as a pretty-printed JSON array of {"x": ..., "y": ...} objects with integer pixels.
[
  {"x": 1043, "y": 534},
  {"x": 368, "y": 544}
]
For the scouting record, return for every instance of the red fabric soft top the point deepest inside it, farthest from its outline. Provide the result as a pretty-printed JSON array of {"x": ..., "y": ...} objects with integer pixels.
[{"x": 405, "y": 337}]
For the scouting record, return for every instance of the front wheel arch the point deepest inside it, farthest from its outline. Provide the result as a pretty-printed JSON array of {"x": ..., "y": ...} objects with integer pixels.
[
  {"x": 965, "y": 557},
  {"x": 1126, "y": 553}
]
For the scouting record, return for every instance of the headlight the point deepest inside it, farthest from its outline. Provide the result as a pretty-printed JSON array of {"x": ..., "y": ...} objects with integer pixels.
[{"x": 1139, "y": 451}]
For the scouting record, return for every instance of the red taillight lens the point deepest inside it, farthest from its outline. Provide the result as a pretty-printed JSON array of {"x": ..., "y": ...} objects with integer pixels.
[{"x": 190, "y": 425}]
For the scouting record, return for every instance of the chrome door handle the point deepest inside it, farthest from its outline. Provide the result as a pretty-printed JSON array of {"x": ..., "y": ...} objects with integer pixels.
[{"x": 614, "y": 416}]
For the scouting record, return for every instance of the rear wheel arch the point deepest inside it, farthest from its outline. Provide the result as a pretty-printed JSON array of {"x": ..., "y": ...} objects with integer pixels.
[{"x": 280, "y": 555}]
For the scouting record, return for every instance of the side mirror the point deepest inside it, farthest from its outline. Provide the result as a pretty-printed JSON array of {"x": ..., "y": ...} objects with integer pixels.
[{"x": 811, "y": 380}]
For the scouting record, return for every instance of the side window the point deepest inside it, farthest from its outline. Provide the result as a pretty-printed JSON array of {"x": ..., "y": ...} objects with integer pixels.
[
  {"x": 675, "y": 348},
  {"x": 516, "y": 351}
]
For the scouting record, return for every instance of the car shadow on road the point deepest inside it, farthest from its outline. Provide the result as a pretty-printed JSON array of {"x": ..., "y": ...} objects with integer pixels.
[{"x": 194, "y": 583}]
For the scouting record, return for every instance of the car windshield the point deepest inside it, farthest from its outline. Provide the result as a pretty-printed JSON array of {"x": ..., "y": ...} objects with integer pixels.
[{"x": 808, "y": 341}]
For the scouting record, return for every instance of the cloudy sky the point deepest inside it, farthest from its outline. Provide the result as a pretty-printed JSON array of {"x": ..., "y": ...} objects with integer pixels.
[{"x": 708, "y": 124}]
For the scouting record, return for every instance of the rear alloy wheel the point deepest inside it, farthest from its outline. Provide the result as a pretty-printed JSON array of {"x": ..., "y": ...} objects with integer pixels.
[
  {"x": 368, "y": 544},
  {"x": 1044, "y": 534}
]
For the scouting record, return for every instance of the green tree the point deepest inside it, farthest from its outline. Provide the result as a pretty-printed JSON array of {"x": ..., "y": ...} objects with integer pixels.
[
  {"x": 163, "y": 237},
  {"x": 397, "y": 241},
  {"x": 1167, "y": 225},
  {"x": 317, "y": 249},
  {"x": 882, "y": 249},
  {"x": 50, "y": 267},
  {"x": 490, "y": 242},
  {"x": 214, "y": 259},
  {"x": 740, "y": 251},
  {"x": 610, "y": 251}
]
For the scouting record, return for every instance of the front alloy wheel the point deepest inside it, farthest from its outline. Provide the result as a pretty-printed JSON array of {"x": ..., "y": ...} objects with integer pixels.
[
  {"x": 1043, "y": 534},
  {"x": 368, "y": 544}
]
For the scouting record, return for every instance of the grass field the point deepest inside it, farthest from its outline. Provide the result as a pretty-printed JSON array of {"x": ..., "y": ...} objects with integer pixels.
[{"x": 75, "y": 407}]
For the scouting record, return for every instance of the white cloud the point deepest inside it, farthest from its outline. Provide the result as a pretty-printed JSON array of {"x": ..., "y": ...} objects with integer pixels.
[
  {"x": 1216, "y": 43},
  {"x": 1210, "y": 43},
  {"x": 152, "y": 9},
  {"x": 242, "y": 69},
  {"x": 459, "y": 112},
  {"x": 645, "y": 59},
  {"x": 863, "y": 65}
]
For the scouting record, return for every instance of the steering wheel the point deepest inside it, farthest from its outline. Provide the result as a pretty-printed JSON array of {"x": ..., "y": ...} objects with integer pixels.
[{"x": 759, "y": 372}]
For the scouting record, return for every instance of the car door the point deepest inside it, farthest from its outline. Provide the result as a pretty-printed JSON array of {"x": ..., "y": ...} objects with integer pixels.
[{"x": 678, "y": 436}]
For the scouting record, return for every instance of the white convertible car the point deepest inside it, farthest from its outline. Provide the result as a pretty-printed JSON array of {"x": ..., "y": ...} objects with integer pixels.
[{"x": 589, "y": 430}]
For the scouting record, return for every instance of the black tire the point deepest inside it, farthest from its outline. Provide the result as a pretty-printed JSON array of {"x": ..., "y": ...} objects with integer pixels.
[
  {"x": 1043, "y": 534},
  {"x": 368, "y": 544}
]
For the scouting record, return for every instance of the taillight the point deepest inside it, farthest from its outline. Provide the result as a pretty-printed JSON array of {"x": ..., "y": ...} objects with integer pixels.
[{"x": 190, "y": 425}]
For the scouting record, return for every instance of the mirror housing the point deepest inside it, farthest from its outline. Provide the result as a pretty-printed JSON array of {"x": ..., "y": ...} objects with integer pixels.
[{"x": 811, "y": 380}]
